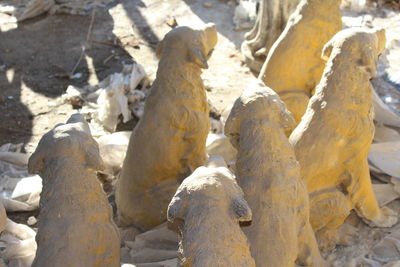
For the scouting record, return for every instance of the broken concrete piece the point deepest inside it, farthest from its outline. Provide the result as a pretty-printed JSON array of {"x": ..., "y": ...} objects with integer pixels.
[
  {"x": 271, "y": 20},
  {"x": 385, "y": 193},
  {"x": 113, "y": 149},
  {"x": 294, "y": 65},
  {"x": 280, "y": 233},
  {"x": 18, "y": 244},
  {"x": 19, "y": 191},
  {"x": 219, "y": 145},
  {"x": 113, "y": 102},
  {"x": 21, "y": 194},
  {"x": 158, "y": 244},
  {"x": 169, "y": 141},
  {"x": 36, "y": 8},
  {"x": 385, "y": 134},
  {"x": 114, "y": 96},
  {"x": 245, "y": 15},
  {"x": 387, "y": 249},
  {"x": 386, "y": 157},
  {"x": 334, "y": 136},
  {"x": 15, "y": 158},
  {"x": 210, "y": 206},
  {"x": 75, "y": 222},
  {"x": 383, "y": 114}
]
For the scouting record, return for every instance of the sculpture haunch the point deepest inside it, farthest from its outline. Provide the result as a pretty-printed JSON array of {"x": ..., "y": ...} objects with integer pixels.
[
  {"x": 294, "y": 66},
  {"x": 168, "y": 143},
  {"x": 271, "y": 20},
  {"x": 75, "y": 222},
  {"x": 207, "y": 208},
  {"x": 280, "y": 233},
  {"x": 335, "y": 134}
]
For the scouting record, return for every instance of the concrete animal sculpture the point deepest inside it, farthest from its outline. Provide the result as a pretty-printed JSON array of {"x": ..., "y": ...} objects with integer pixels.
[
  {"x": 169, "y": 141},
  {"x": 294, "y": 66},
  {"x": 280, "y": 233},
  {"x": 334, "y": 136},
  {"x": 75, "y": 222},
  {"x": 207, "y": 207}
]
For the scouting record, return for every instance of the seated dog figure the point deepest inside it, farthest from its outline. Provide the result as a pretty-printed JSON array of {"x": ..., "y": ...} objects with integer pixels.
[
  {"x": 169, "y": 141},
  {"x": 280, "y": 233},
  {"x": 294, "y": 66},
  {"x": 76, "y": 225},
  {"x": 334, "y": 136},
  {"x": 207, "y": 207}
]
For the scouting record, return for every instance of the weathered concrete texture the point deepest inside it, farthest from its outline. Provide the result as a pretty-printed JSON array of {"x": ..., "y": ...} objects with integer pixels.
[
  {"x": 280, "y": 233},
  {"x": 335, "y": 134},
  {"x": 75, "y": 223},
  {"x": 169, "y": 141},
  {"x": 3, "y": 218},
  {"x": 294, "y": 66},
  {"x": 271, "y": 21},
  {"x": 207, "y": 208}
]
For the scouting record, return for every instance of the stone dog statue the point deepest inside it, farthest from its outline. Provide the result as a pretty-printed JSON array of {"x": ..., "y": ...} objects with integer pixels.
[
  {"x": 294, "y": 66},
  {"x": 169, "y": 141},
  {"x": 335, "y": 134},
  {"x": 76, "y": 225},
  {"x": 211, "y": 205},
  {"x": 280, "y": 233}
]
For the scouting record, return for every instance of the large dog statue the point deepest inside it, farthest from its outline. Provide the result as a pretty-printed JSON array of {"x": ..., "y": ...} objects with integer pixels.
[
  {"x": 294, "y": 66},
  {"x": 334, "y": 136},
  {"x": 280, "y": 233},
  {"x": 76, "y": 225},
  {"x": 169, "y": 141}
]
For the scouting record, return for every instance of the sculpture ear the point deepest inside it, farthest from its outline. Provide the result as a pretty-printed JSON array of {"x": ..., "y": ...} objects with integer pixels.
[
  {"x": 231, "y": 128},
  {"x": 197, "y": 57},
  {"x": 93, "y": 158},
  {"x": 160, "y": 48},
  {"x": 380, "y": 33},
  {"x": 327, "y": 50},
  {"x": 242, "y": 210},
  {"x": 36, "y": 162},
  {"x": 175, "y": 209}
]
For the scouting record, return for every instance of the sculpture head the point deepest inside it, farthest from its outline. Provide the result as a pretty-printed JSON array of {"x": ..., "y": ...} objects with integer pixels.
[
  {"x": 209, "y": 187},
  {"x": 258, "y": 103},
  {"x": 195, "y": 45},
  {"x": 67, "y": 141},
  {"x": 365, "y": 46}
]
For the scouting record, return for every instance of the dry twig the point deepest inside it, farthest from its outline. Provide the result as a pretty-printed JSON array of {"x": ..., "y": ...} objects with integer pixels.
[{"x": 89, "y": 33}]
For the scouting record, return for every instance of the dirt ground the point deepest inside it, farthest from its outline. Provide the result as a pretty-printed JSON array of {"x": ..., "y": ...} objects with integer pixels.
[{"x": 36, "y": 57}]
